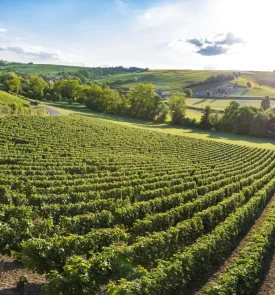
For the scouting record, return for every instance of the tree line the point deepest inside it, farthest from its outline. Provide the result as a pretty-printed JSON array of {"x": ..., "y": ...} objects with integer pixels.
[
  {"x": 142, "y": 102},
  {"x": 241, "y": 120}
]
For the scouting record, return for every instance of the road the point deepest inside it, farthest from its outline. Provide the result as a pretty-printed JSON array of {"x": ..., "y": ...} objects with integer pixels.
[{"x": 52, "y": 112}]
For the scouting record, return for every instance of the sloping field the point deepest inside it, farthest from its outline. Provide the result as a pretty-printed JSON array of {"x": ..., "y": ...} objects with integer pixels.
[
  {"x": 169, "y": 81},
  {"x": 261, "y": 78},
  {"x": 6, "y": 98},
  {"x": 112, "y": 209},
  {"x": 12, "y": 105},
  {"x": 173, "y": 81}
]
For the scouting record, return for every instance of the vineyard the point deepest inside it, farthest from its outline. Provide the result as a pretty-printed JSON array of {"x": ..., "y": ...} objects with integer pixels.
[{"x": 108, "y": 209}]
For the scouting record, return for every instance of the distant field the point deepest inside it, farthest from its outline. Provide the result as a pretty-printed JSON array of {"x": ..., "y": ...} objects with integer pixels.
[
  {"x": 221, "y": 104},
  {"x": 38, "y": 69},
  {"x": 194, "y": 114},
  {"x": 173, "y": 81},
  {"x": 261, "y": 78},
  {"x": 169, "y": 81}
]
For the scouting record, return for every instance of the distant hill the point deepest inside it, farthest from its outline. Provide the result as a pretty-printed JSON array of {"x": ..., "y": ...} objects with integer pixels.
[
  {"x": 37, "y": 68},
  {"x": 174, "y": 81},
  {"x": 45, "y": 69},
  {"x": 166, "y": 81}
]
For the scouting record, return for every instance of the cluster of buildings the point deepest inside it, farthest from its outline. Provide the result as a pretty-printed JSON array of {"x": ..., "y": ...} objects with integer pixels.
[
  {"x": 50, "y": 78},
  {"x": 225, "y": 90}
]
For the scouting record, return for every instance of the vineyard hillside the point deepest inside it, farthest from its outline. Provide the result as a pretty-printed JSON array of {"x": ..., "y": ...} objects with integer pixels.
[
  {"x": 102, "y": 208},
  {"x": 13, "y": 105}
]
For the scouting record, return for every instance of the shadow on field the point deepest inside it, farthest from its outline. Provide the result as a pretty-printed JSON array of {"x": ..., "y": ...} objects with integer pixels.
[
  {"x": 12, "y": 265},
  {"x": 212, "y": 273},
  {"x": 200, "y": 101},
  {"x": 244, "y": 91},
  {"x": 29, "y": 289}
]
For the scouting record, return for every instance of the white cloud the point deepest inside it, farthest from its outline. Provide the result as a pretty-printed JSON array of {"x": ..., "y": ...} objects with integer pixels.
[
  {"x": 173, "y": 22},
  {"x": 30, "y": 52},
  {"x": 2, "y": 30},
  {"x": 33, "y": 51}
]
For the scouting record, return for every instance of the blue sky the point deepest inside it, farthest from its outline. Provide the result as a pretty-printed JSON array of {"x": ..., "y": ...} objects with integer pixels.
[{"x": 197, "y": 34}]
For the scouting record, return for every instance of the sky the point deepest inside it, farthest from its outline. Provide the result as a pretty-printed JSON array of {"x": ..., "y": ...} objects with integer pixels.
[{"x": 158, "y": 34}]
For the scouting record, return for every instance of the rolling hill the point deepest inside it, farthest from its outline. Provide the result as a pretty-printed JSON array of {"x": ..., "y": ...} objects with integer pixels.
[
  {"x": 37, "y": 68},
  {"x": 168, "y": 81},
  {"x": 174, "y": 81}
]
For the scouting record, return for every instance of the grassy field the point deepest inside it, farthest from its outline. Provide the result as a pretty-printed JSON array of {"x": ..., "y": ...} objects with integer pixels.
[
  {"x": 221, "y": 104},
  {"x": 38, "y": 69},
  {"x": 261, "y": 78},
  {"x": 8, "y": 99},
  {"x": 257, "y": 91},
  {"x": 13, "y": 105},
  {"x": 76, "y": 109}
]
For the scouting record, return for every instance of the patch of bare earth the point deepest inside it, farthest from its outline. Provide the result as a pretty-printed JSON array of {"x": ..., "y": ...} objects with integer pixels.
[
  {"x": 268, "y": 284},
  {"x": 198, "y": 288},
  {"x": 12, "y": 271}
]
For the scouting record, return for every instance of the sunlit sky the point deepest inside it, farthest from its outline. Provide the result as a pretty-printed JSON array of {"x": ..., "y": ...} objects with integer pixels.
[{"x": 188, "y": 34}]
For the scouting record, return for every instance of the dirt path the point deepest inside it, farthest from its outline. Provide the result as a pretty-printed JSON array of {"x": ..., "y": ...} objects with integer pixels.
[
  {"x": 268, "y": 285},
  {"x": 11, "y": 275},
  {"x": 52, "y": 112},
  {"x": 205, "y": 282}
]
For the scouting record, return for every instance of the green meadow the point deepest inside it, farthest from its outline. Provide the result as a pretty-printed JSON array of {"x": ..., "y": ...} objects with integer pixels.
[{"x": 221, "y": 104}]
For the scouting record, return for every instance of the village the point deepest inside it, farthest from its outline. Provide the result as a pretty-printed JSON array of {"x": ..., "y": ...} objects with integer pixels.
[{"x": 222, "y": 91}]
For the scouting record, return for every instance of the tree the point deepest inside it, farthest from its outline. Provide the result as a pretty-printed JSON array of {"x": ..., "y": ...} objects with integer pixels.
[
  {"x": 92, "y": 94},
  {"x": 177, "y": 107},
  {"x": 188, "y": 92},
  {"x": 249, "y": 84},
  {"x": 48, "y": 97},
  {"x": 208, "y": 94},
  {"x": 143, "y": 100},
  {"x": 230, "y": 114},
  {"x": 206, "y": 121},
  {"x": 13, "y": 84},
  {"x": 265, "y": 104},
  {"x": 69, "y": 89},
  {"x": 37, "y": 86},
  {"x": 124, "y": 105},
  {"x": 108, "y": 101},
  {"x": 162, "y": 113},
  {"x": 244, "y": 120}
]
